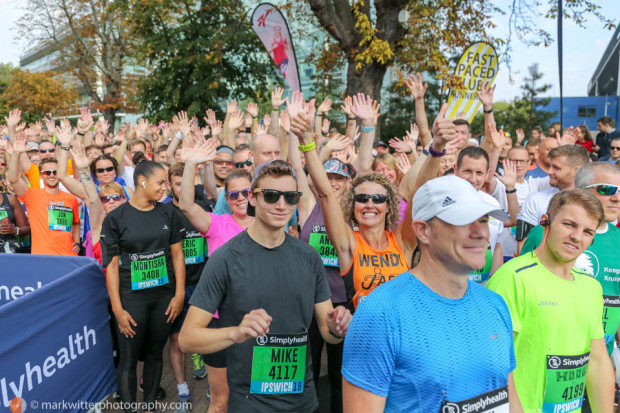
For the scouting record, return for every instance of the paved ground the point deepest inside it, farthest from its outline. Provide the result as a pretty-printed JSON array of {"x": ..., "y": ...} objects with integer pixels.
[{"x": 198, "y": 388}]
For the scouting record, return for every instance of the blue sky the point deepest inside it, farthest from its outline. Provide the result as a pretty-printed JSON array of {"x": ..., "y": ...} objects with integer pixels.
[{"x": 583, "y": 49}]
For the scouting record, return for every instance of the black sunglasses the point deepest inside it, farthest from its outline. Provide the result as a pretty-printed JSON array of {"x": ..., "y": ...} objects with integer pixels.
[
  {"x": 51, "y": 150},
  {"x": 239, "y": 165},
  {"x": 102, "y": 170},
  {"x": 271, "y": 196},
  {"x": 376, "y": 198},
  {"x": 604, "y": 189},
  {"x": 615, "y": 148},
  {"x": 234, "y": 195},
  {"x": 107, "y": 198},
  {"x": 49, "y": 172}
]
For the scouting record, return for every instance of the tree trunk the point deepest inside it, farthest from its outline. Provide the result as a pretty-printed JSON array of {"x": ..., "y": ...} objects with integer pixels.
[{"x": 368, "y": 80}]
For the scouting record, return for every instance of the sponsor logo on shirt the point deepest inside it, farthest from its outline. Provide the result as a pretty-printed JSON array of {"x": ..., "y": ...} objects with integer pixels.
[
  {"x": 548, "y": 303},
  {"x": 588, "y": 263}
]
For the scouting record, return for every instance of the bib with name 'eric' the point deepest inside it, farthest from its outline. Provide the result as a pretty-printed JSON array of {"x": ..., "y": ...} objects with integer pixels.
[
  {"x": 321, "y": 243},
  {"x": 194, "y": 248},
  {"x": 566, "y": 382},
  {"x": 279, "y": 364},
  {"x": 495, "y": 401},
  {"x": 148, "y": 269},
  {"x": 59, "y": 218}
]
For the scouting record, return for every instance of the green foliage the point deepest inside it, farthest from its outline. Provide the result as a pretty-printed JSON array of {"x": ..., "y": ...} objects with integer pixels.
[
  {"x": 198, "y": 54},
  {"x": 524, "y": 112}
]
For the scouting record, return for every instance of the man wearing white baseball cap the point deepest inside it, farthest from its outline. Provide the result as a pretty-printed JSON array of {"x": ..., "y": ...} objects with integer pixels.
[{"x": 431, "y": 340}]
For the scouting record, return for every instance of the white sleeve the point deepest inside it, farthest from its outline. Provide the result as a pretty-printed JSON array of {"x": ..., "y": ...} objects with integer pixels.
[
  {"x": 500, "y": 194},
  {"x": 529, "y": 211}
]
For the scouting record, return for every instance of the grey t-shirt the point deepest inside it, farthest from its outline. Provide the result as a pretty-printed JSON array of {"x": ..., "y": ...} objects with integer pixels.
[{"x": 286, "y": 282}]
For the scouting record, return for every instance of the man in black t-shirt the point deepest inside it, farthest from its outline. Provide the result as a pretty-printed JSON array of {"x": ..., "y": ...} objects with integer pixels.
[
  {"x": 195, "y": 255},
  {"x": 266, "y": 285}
]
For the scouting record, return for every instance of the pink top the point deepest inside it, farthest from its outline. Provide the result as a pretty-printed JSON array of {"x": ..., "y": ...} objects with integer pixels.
[
  {"x": 403, "y": 209},
  {"x": 222, "y": 229}
]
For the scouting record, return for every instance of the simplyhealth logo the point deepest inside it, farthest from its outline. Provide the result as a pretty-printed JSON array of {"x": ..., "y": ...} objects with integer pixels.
[{"x": 13, "y": 292}]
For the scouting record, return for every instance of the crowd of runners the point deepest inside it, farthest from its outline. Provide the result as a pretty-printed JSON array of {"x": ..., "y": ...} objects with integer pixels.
[{"x": 442, "y": 271}]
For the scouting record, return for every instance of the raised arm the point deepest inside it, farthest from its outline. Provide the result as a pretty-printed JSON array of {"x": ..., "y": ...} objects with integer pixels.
[
  {"x": 418, "y": 90},
  {"x": 95, "y": 209},
  {"x": 362, "y": 108},
  {"x": 204, "y": 151},
  {"x": 63, "y": 134},
  {"x": 13, "y": 174},
  {"x": 486, "y": 98},
  {"x": 339, "y": 233},
  {"x": 443, "y": 132},
  {"x": 276, "y": 103}
]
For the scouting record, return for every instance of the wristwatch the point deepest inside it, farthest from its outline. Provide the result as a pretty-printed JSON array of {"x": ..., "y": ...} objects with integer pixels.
[{"x": 16, "y": 230}]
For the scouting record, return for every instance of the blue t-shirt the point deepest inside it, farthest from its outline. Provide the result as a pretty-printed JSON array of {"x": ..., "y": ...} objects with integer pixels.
[
  {"x": 419, "y": 349},
  {"x": 536, "y": 173}
]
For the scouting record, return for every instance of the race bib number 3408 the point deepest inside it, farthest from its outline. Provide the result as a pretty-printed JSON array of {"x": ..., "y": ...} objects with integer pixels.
[{"x": 148, "y": 269}]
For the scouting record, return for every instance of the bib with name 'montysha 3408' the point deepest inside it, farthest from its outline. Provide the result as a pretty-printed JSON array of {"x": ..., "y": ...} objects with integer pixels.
[
  {"x": 279, "y": 364},
  {"x": 148, "y": 269}
]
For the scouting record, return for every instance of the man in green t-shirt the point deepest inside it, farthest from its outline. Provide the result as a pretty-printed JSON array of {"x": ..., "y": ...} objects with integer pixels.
[
  {"x": 556, "y": 313},
  {"x": 601, "y": 259}
]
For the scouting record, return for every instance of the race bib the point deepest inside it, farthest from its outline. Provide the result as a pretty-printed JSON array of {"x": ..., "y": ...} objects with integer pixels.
[
  {"x": 279, "y": 364},
  {"x": 495, "y": 401},
  {"x": 566, "y": 383},
  {"x": 194, "y": 248},
  {"x": 611, "y": 317},
  {"x": 59, "y": 218},
  {"x": 148, "y": 270},
  {"x": 321, "y": 243},
  {"x": 484, "y": 273}
]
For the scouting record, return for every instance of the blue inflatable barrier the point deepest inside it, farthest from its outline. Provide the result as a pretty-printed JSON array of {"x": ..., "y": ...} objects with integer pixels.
[{"x": 56, "y": 344}]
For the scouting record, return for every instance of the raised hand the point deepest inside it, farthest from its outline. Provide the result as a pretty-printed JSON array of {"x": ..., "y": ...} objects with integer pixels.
[
  {"x": 267, "y": 120},
  {"x": 413, "y": 134},
  {"x": 568, "y": 138},
  {"x": 485, "y": 94},
  {"x": 416, "y": 87},
  {"x": 50, "y": 124},
  {"x": 453, "y": 146},
  {"x": 300, "y": 125},
  {"x": 184, "y": 125},
  {"x": 248, "y": 120},
  {"x": 510, "y": 174},
  {"x": 402, "y": 163},
  {"x": 339, "y": 142},
  {"x": 285, "y": 121},
  {"x": 85, "y": 121},
  {"x": 325, "y": 126},
  {"x": 104, "y": 126},
  {"x": 276, "y": 98},
  {"x": 143, "y": 126},
  {"x": 520, "y": 136},
  {"x": 19, "y": 145},
  {"x": 252, "y": 109},
  {"x": 236, "y": 120},
  {"x": 295, "y": 105},
  {"x": 231, "y": 106},
  {"x": 376, "y": 108},
  {"x": 324, "y": 107},
  {"x": 443, "y": 128},
  {"x": 399, "y": 146},
  {"x": 210, "y": 119},
  {"x": 79, "y": 156},
  {"x": 346, "y": 107},
  {"x": 203, "y": 151},
  {"x": 261, "y": 129},
  {"x": 13, "y": 120},
  {"x": 362, "y": 108},
  {"x": 63, "y": 134},
  {"x": 216, "y": 128},
  {"x": 497, "y": 138}
]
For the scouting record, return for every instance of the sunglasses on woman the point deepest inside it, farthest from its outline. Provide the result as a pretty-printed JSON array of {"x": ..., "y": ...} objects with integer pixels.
[
  {"x": 271, "y": 196},
  {"x": 376, "y": 198},
  {"x": 221, "y": 162},
  {"x": 107, "y": 198},
  {"x": 49, "y": 172},
  {"x": 239, "y": 165},
  {"x": 234, "y": 195},
  {"x": 102, "y": 170},
  {"x": 604, "y": 189}
]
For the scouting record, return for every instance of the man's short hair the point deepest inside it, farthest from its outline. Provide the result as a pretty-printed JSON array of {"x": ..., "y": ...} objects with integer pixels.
[
  {"x": 537, "y": 128},
  {"x": 474, "y": 152},
  {"x": 606, "y": 120},
  {"x": 176, "y": 170},
  {"x": 533, "y": 143},
  {"x": 585, "y": 173},
  {"x": 93, "y": 146},
  {"x": 579, "y": 196},
  {"x": 576, "y": 155},
  {"x": 241, "y": 148},
  {"x": 457, "y": 122},
  {"x": 47, "y": 159},
  {"x": 135, "y": 142},
  {"x": 161, "y": 148}
]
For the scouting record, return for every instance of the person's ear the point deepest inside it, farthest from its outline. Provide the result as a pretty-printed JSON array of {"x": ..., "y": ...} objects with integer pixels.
[
  {"x": 422, "y": 231},
  {"x": 544, "y": 220},
  {"x": 252, "y": 199}
]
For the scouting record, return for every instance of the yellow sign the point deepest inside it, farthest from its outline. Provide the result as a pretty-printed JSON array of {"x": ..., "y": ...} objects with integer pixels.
[{"x": 477, "y": 66}]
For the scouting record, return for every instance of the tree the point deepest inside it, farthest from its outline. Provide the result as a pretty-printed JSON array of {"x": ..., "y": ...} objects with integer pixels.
[
  {"x": 88, "y": 39},
  {"x": 421, "y": 34},
  {"x": 199, "y": 53},
  {"x": 37, "y": 94}
]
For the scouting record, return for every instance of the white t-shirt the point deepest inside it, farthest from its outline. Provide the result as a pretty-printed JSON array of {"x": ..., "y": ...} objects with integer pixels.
[
  {"x": 495, "y": 226},
  {"x": 127, "y": 176},
  {"x": 536, "y": 206},
  {"x": 525, "y": 189}
]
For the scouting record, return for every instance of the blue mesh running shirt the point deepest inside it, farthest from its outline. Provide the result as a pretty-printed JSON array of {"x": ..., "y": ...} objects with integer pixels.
[{"x": 419, "y": 349}]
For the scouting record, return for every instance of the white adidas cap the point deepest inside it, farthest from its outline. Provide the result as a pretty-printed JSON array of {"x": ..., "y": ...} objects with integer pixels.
[{"x": 453, "y": 200}]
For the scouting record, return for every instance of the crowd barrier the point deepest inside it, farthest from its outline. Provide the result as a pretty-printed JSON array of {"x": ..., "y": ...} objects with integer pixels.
[{"x": 56, "y": 347}]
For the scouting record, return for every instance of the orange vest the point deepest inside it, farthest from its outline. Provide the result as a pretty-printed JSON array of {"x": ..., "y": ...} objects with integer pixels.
[{"x": 371, "y": 268}]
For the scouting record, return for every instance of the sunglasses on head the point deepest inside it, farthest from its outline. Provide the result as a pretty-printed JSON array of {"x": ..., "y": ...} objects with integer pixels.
[
  {"x": 239, "y": 165},
  {"x": 221, "y": 162},
  {"x": 604, "y": 189},
  {"x": 102, "y": 170},
  {"x": 234, "y": 195},
  {"x": 49, "y": 172},
  {"x": 271, "y": 196},
  {"x": 50, "y": 150},
  {"x": 107, "y": 198},
  {"x": 376, "y": 198}
]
